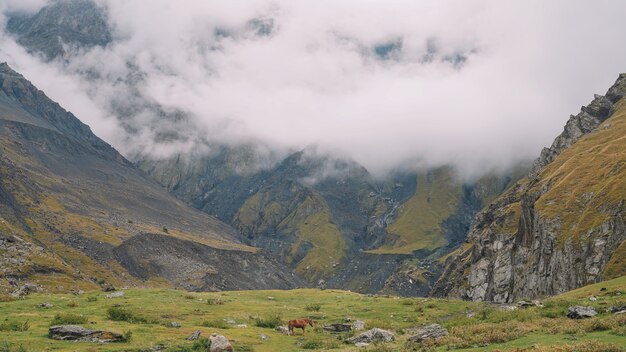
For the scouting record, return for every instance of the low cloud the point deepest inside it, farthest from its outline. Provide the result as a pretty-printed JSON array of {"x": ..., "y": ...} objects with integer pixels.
[{"x": 475, "y": 84}]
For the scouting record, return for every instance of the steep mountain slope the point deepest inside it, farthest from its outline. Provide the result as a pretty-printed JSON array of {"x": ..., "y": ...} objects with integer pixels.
[
  {"x": 560, "y": 228},
  {"x": 74, "y": 211}
]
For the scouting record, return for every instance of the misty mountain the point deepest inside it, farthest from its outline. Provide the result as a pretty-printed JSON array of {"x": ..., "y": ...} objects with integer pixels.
[
  {"x": 561, "y": 227},
  {"x": 325, "y": 217},
  {"x": 75, "y": 212}
]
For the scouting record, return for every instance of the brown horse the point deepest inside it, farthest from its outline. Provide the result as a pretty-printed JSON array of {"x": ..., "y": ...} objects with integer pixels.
[{"x": 300, "y": 324}]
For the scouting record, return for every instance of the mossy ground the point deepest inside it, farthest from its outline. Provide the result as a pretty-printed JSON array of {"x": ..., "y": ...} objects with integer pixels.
[{"x": 488, "y": 328}]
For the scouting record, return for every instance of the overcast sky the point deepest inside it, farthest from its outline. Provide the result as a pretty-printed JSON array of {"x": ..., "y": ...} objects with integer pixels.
[{"x": 475, "y": 84}]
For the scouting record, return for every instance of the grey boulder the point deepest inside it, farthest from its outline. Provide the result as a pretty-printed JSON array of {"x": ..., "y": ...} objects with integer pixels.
[
  {"x": 580, "y": 312},
  {"x": 373, "y": 335},
  {"x": 219, "y": 343},
  {"x": 430, "y": 332}
]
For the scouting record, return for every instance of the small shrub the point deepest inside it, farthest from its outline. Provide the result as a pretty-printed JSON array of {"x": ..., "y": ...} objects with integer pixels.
[
  {"x": 312, "y": 345},
  {"x": 165, "y": 230},
  {"x": 217, "y": 323},
  {"x": 242, "y": 348},
  {"x": 127, "y": 336},
  {"x": 270, "y": 322},
  {"x": 313, "y": 307},
  {"x": 68, "y": 319},
  {"x": 407, "y": 302},
  {"x": 92, "y": 299},
  {"x": 189, "y": 296},
  {"x": 72, "y": 304},
  {"x": 6, "y": 347},
  {"x": 14, "y": 326},
  {"x": 123, "y": 314},
  {"x": 214, "y": 301}
]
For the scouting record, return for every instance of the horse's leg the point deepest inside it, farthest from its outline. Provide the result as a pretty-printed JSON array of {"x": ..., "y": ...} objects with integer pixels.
[{"x": 303, "y": 330}]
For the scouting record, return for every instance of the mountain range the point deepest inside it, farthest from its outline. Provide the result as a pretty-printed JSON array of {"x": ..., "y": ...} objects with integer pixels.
[{"x": 225, "y": 218}]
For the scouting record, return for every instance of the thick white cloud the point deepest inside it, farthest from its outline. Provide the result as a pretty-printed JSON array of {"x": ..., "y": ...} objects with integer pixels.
[{"x": 476, "y": 84}]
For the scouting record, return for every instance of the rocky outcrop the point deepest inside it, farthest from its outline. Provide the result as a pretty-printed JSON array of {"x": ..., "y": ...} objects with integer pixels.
[
  {"x": 430, "y": 332},
  {"x": 55, "y": 29},
  {"x": 80, "y": 334},
  {"x": 580, "y": 312},
  {"x": 560, "y": 228},
  {"x": 373, "y": 335}
]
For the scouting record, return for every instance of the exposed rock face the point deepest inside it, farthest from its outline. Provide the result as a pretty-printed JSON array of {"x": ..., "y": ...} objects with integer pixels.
[
  {"x": 373, "y": 335},
  {"x": 430, "y": 332},
  {"x": 563, "y": 226},
  {"x": 219, "y": 343},
  {"x": 79, "y": 333},
  {"x": 62, "y": 25},
  {"x": 336, "y": 328},
  {"x": 580, "y": 312},
  {"x": 194, "y": 335}
]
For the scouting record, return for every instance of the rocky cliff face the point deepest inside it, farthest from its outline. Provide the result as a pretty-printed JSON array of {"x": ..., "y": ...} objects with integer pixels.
[
  {"x": 560, "y": 228},
  {"x": 73, "y": 211},
  {"x": 62, "y": 26}
]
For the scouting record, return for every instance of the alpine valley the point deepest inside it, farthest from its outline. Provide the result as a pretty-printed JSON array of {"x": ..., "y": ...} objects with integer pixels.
[{"x": 76, "y": 214}]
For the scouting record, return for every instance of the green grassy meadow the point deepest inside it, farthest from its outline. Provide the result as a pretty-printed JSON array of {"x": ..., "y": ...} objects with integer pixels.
[{"x": 473, "y": 326}]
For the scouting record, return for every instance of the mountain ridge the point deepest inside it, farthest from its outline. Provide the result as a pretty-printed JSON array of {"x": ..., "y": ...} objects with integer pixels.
[
  {"x": 559, "y": 228},
  {"x": 74, "y": 211}
]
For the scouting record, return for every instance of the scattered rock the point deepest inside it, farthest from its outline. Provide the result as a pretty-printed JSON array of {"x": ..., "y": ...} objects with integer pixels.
[
  {"x": 358, "y": 325},
  {"x": 603, "y": 289},
  {"x": 78, "y": 293},
  {"x": 25, "y": 290},
  {"x": 283, "y": 330},
  {"x": 618, "y": 310},
  {"x": 361, "y": 344},
  {"x": 373, "y": 335},
  {"x": 115, "y": 294},
  {"x": 508, "y": 307},
  {"x": 195, "y": 335},
  {"x": 230, "y": 322},
  {"x": 219, "y": 343},
  {"x": 433, "y": 331},
  {"x": 108, "y": 288},
  {"x": 79, "y": 333},
  {"x": 270, "y": 298},
  {"x": 470, "y": 314},
  {"x": 336, "y": 328},
  {"x": 321, "y": 284},
  {"x": 526, "y": 304},
  {"x": 264, "y": 337},
  {"x": 45, "y": 305},
  {"x": 241, "y": 326},
  {"x": 157, "y": 348},
  {"x": 580, "y": 312},
  {"x": 593, "y": 298},
  {"x": 173, "y": 324},
  {"x": 347, "y": 319}
]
